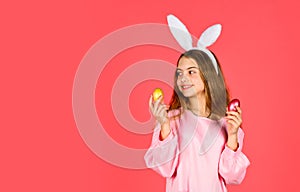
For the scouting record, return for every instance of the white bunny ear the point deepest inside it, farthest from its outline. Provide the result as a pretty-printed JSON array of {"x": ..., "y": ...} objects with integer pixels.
[
  {"x": 180, "y": 32},
  {"x": 209, "y": 36}
]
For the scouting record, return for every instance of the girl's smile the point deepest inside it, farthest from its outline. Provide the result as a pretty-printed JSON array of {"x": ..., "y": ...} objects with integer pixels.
[{"x": 185, "y": 87}]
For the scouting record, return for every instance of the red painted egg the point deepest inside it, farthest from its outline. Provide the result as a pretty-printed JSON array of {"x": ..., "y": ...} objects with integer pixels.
[{"x": 233, "y": 104}]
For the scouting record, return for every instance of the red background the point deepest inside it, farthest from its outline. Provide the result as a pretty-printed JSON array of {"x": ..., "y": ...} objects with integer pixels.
[{"x": 42, "y": 44}]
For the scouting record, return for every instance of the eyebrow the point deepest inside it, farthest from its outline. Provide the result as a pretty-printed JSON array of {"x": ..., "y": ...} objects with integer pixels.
[{"x": 178, "y": 69}]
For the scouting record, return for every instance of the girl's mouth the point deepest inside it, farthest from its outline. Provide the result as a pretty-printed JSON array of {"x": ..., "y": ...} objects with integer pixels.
[{"x": 185, "y": 87}]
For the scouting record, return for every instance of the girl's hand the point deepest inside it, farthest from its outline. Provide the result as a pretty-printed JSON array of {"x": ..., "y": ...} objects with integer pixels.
[
  {"x": 159, "y": 110},
  {"x": 233, "y": 121}
]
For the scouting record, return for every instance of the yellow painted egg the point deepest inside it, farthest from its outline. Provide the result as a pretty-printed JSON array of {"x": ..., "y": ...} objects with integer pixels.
[{"x": 157, "y": 93}]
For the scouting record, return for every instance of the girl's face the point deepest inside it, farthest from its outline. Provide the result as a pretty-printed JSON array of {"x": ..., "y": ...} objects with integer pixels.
[{"x": 189, "y": 81}]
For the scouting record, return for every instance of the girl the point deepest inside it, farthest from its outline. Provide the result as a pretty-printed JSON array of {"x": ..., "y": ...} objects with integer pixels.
[{"x": 197, "y": 143}]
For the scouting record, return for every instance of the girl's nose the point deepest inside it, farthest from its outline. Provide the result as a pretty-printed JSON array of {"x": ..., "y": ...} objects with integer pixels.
[{"x": 183, "y": 78}]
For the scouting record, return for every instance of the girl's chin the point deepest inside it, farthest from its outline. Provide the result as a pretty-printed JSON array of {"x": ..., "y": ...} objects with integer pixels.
[{"x": 187, "y": 94}]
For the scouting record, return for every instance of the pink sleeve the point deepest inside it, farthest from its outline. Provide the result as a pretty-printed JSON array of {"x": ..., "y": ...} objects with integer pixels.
[
  {"x": 233, "y": 164},
  {"x": 162, "y": 156}
]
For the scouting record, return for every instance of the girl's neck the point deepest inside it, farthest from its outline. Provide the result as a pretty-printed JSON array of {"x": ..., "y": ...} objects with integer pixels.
[{"x": 197, "y": 105}]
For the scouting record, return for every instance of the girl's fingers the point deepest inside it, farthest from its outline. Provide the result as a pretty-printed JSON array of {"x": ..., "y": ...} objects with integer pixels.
[
  {"x": 162, "y": 113},
  {"x": 239, "y": 110},
  {"x": 150, "y": 103},
  {"x": 234, "y": 120},
  {"x": 234, "y": 114},
  {"x": 157, "y": 102},
  {"x": 162, "y": 110},
  {"x": 157, "y": 110}
]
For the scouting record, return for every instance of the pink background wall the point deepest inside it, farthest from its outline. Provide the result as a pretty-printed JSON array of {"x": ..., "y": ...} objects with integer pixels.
[{"x": 42, "y": 45}]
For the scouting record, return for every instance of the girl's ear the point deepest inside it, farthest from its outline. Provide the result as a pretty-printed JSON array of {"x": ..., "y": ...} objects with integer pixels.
[
  {"x": 209, "y": 36},
  {"x": 180, "y": 32}
]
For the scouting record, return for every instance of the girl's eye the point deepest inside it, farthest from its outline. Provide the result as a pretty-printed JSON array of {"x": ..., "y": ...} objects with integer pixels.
[
  {"x": 192, "y": 72},
  {"x": 178, "y": 73}
]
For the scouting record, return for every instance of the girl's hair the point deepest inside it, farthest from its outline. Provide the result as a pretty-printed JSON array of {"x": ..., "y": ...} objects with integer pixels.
[{"x": 216, "y": 92}]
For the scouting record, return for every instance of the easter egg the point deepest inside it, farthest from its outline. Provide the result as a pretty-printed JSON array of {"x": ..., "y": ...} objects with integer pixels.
[
  {"x": 233, "y": 104},
  {"x": 157, "y": 93}
]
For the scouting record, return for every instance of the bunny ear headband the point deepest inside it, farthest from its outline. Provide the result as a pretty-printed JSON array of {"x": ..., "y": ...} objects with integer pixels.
[{"x": 184, "y": 38}]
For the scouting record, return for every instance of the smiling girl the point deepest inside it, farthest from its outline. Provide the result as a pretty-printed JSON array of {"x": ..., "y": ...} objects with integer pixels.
[{"x": 197, "y": 144}]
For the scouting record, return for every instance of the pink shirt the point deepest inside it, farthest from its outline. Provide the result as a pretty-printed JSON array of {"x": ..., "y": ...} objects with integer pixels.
[{"x": 194, "y": 157}]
